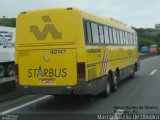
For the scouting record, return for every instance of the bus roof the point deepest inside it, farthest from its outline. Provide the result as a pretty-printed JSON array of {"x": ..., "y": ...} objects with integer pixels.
[
  {"x": 107, "y": 21},
  {"x": 103, "y": 19}
]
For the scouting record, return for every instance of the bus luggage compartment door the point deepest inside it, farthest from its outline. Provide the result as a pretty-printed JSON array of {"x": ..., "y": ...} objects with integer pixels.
[{"x": 54, "y": 67}]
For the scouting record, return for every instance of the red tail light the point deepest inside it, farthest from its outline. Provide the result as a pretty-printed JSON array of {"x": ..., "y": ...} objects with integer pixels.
[
  {"x": 18, "y": 86},
  {"x": 17, "y": 72},
  {"x": 81, "y": 71}
]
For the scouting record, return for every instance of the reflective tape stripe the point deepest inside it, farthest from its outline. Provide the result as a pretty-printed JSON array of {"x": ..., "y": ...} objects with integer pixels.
[{"x": 104, "y": 63}]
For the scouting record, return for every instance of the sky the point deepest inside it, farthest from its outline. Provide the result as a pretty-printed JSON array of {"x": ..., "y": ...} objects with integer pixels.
[{"x": 136, "y": 13}]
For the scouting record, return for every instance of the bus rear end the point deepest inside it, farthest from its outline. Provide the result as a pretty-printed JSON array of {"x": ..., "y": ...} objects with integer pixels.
[{"x": 46, "y": 50}]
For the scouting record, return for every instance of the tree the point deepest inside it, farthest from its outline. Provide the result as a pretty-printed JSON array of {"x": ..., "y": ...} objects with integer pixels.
[
  {"x": 9, "y": 22},
  {"x": 148, "y": 36}
]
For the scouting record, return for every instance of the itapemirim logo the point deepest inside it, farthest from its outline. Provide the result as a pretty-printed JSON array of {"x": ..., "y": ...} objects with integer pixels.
[{"x": 49, "y": 28}]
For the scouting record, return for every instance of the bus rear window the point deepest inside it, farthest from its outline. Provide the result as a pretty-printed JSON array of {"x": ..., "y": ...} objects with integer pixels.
[{"x": 87, "y": 30}]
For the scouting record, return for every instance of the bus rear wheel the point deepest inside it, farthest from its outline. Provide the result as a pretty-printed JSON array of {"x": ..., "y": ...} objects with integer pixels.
[
  {"x": 107, "y": 89},
  {"x": 134, "y": 69},
  {"x": 115, "y": 81}
]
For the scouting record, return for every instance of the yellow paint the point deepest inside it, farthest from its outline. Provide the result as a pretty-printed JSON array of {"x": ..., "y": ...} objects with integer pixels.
[{"x": 68, "y": 43}]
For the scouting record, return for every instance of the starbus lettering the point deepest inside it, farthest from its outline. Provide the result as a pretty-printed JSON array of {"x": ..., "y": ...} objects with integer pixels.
[{"x": 47, "y": 72}]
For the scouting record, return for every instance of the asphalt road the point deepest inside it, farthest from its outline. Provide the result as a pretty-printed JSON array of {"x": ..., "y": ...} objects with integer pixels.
[{"x": 140, "y": 95}]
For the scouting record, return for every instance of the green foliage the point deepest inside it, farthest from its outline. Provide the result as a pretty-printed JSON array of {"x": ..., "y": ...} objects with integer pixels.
[
  {"x": 148, "y": 36},
  {"x": 9, "y": 22}
]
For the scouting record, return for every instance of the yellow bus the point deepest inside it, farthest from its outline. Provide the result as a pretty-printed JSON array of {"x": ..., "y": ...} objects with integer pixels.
[{"x": 67, "y": 51}]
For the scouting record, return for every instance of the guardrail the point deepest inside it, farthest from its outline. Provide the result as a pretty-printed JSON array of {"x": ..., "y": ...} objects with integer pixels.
[{"x": 147, "y": 55}]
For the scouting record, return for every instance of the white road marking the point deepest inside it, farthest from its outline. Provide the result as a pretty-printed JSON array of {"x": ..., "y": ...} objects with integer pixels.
[
  {"x": 153, "y": 72},
  {"x": 24, "y": 105}
]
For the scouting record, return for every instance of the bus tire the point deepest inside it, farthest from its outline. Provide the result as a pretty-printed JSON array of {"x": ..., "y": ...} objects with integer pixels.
[
  {"x": 2, "y": 71},
  {"x": 132, "y": 75},
  {"x": 107, "y": 89},
  {"x": 10, "y": 71},
  {"x": 115, "y": 81},
  {"x": 135, "y": 69}
]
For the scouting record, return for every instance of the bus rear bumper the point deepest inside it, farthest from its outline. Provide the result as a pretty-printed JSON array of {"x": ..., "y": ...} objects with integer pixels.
[{"x": 82, "y": 88}]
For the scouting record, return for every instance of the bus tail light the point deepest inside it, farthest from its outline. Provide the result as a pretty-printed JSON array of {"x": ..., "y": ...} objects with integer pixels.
[
  {"x": 18, "y": 86},
  {"x": 16, "y": 72},
  {"x": 81, "y": 71}
]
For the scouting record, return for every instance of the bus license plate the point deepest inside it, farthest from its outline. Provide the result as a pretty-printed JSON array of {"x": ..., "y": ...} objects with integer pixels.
[{"x": 47, "y": 81}]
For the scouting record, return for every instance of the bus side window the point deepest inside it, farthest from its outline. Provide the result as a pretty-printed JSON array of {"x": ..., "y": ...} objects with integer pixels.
[
  {"x": 111, "y": 36},
  {"x": 88, "y": 34},
  {"x": 101, "y": 35},
  {"x": 126, "y": 36},
  {"x": 118, "y": 37},
  {"x": 106, "y": 35},
  {"x": 95, "y": 34},
  {"x": 135, "y": 39},
  {"x": 123, "y": 33},
  {"x": 132, "y": 39},
  {"x": 129, "y": 41},
  {"x": 115, "y": 36},
  {"x": 121, "y": 38}
]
